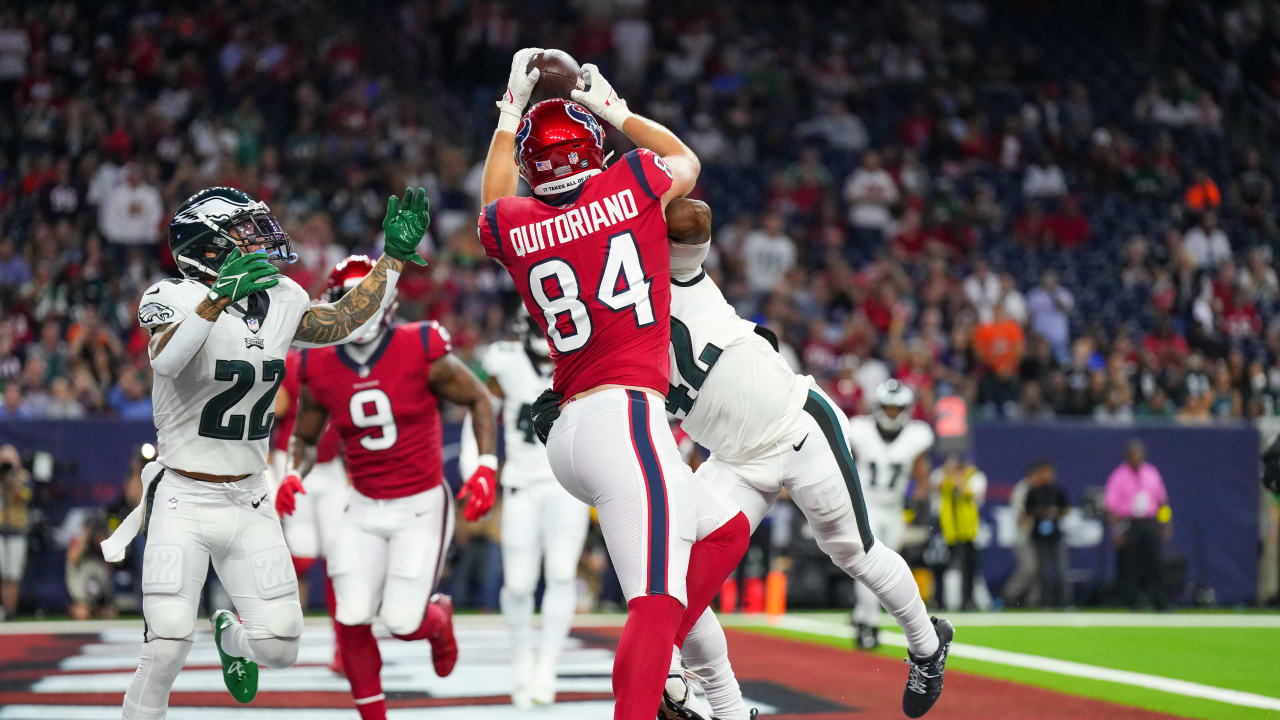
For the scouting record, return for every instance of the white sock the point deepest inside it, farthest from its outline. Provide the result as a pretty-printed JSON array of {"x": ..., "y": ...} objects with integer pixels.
[
  {"x": 886, "y": 574},
  {"x": 517, "y": 611},
  {"x": 559, "y": 600},
  {"x": 148, "y": 695},
  {"x": 706, "y": 656}
]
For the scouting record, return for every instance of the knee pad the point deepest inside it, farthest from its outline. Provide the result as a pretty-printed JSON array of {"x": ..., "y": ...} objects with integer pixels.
[
  {"x": 523, "y": 578},
  {"x": 283, "y": 619},
  {"x": 561, "y": 570},
  {"x": 353, "y": 611},
  {"x": 276, "y": 652},
  {"x": 169, "y": 618},
  {"x": 167, "y": 614},
  {"x": 402, "y": 621}
]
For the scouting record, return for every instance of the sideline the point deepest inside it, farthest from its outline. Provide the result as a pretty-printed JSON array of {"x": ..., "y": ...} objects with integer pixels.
[{"x": 1060, "y": 667}]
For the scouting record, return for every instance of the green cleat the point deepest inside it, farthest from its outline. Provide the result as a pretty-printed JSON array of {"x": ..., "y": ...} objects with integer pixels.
[{"x": 240, "y": 675}]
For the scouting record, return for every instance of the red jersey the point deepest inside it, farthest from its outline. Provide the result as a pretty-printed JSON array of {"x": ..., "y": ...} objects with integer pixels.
[
  {"x": 594, "y": 272},
  {"x": 382, "y": 409},
  {"x": 329, "y": 444}
]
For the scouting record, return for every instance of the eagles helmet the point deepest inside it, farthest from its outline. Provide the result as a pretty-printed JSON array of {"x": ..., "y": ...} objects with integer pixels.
[
  {"x": 535, "y": 341},
  {"x": 217, "y": 220},
  {"x": 893, "y": 406}
]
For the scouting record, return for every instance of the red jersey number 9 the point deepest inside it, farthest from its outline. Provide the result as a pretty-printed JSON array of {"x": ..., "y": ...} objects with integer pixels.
[
  {"x": 622, "y": 286},
  {"x": 371, "y": 408}
]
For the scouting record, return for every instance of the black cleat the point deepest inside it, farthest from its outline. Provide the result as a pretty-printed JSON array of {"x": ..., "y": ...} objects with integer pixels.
[
  {"x": 924, "y": 682},
  {"x": 674, "y": 696},
  {"x": 866, "y": 637}
]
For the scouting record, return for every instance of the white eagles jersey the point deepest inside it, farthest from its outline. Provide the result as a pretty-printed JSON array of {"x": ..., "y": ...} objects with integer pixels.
[
  {"x": 732, "y": 391},
  {"x": 884, "y": 467},
  {"x": 522, "y": 383},
  {"x": 215, "y": 416}
]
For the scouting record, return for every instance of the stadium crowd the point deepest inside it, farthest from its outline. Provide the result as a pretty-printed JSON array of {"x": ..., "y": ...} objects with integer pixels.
[{"x": 942, "y": 195}]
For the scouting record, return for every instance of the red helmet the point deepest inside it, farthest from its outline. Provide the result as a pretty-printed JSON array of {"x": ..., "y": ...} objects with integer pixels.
[
  {"x": 347, "y": 274},
  {"x": 558, "y": 146}
]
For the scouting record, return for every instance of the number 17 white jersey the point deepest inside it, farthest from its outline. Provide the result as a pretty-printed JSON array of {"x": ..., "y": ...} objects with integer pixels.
[
  {"x": 885, "y": 466},
  {"x": 215, "y": 415}
]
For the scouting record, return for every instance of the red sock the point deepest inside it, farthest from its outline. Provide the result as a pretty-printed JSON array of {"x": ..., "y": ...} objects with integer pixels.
[
  {"x": 363, "y": 665},
  {"x": 302, "y": 565},
  {"x": 644, "y": 656},
  {"x": 710, "y": 562},
  {"x": 431, "y": 621}
]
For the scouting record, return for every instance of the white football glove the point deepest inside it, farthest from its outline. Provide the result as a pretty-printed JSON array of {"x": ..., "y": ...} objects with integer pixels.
[
  {"x": 600, "y": 98},
  {"x": 519, "y": 88}
]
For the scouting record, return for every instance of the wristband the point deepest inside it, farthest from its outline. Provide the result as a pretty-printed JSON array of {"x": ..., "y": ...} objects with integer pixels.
[
  {"x": 508, "y": 121},
  {"x": 487, "y": 460}
]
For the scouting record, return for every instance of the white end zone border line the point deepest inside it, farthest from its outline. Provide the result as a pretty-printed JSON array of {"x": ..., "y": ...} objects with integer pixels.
[
  {"x": 1060, "y": 667},
  {"x": 1091, "y": 619}
]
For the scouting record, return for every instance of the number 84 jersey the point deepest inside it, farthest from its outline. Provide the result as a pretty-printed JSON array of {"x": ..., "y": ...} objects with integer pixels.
[
  {"x": 215, "y": 415},
  {"x": 383, "y": 409}
]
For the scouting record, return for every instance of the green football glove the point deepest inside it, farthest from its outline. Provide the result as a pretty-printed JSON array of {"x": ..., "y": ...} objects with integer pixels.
[
  {"x": 243, "y": 275},
  {"x": 405, "y": 224}
]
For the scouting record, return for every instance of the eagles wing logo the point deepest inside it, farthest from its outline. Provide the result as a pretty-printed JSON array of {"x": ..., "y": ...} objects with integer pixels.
[
  {"x": 584, "y": 116},
  {"x": 152, "y": 313},
  {"x": 254, "y": 342}
]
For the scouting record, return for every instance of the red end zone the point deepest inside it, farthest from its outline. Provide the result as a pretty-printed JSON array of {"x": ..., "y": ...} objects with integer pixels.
[{"x": 805, "y": 681}]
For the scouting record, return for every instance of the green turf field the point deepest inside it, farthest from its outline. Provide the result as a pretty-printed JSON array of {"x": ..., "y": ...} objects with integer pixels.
[{"x": 1242, "y": 659}]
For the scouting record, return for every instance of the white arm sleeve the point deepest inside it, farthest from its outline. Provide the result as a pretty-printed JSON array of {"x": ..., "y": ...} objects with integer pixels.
[
  {"x": 170, "y": 302},
  {"x": 183, "y": 345},
  {"x": 686, "y": 260},
  {"x": 468, "y": 454},
  {"x": 388, "y": 297}
]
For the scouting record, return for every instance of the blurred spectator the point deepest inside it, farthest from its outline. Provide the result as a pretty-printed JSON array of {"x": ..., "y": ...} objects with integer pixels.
[
  {"x": 959, "y": 489},
  {"x": 871, "y": 193},
  {"x": 88, "y": 576},
  {"x": 1251, "y": 191},
  {"x": 1069, "y": 228},
  {"x": 1044, "y": 178},
  {"x": 1138, "y": 512},
  {"x": 1206, "y": 242},
  {"x": 1014, "y": 303},
  {"x": 1203, "y": 194},
  {"x": 1046, "y": 503},
  {"x": 1050, "y": 306},
  {"x": 130, "y": 398},
  {"x": 982, "y": 287},
  {"x": 132, "y": 211},
  {"x": 1022, "y": 589},
  {"x": 15, "y": 496},
  {"x": 14, "y": 271},
  {"x": 1116, "y": 409},
  {"x": 1000, "y": 344},
  {"x": 837, "y": 127},
  {"x": 768, "y": 253}
]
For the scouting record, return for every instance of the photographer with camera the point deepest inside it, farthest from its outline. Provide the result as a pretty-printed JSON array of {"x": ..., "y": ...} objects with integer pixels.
[{"x": 15, "y": 501}]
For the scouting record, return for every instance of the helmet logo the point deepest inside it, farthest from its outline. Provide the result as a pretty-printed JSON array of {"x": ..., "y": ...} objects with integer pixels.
[
  {"x": 587, "y": 120},
  {"x": 522, "y": 134},
  {"x": 541, "y": 165}
]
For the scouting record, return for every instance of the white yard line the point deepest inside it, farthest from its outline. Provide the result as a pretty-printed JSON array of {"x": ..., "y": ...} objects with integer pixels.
[
  {"x": 1060, "y": 667},
  {"x": 1088, "y": 619}
]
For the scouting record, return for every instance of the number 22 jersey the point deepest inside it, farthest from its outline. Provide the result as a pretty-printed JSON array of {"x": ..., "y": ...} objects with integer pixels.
[
  {"x": 215, "y": 415},
  {"x": 594, "y": 273},
  {"x": 383, "y": 408}
]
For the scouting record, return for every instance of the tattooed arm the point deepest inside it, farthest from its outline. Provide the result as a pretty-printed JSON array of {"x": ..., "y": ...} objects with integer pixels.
[
  {"x": 334, "y": 323},
  {"x": 173, "y": 345}
]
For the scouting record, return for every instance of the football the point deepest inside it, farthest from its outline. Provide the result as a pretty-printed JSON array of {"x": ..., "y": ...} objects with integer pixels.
[
  {"x": 688, "y": 221},
  {"x": 559, "y": 74}
]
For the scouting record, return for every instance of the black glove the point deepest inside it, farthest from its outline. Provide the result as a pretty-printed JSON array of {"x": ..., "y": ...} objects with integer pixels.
[{"x": 545, "y": 411}]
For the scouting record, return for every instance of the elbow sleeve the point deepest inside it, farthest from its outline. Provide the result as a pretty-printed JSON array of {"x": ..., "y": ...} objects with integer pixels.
[{"x": 686, "y": 260}]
